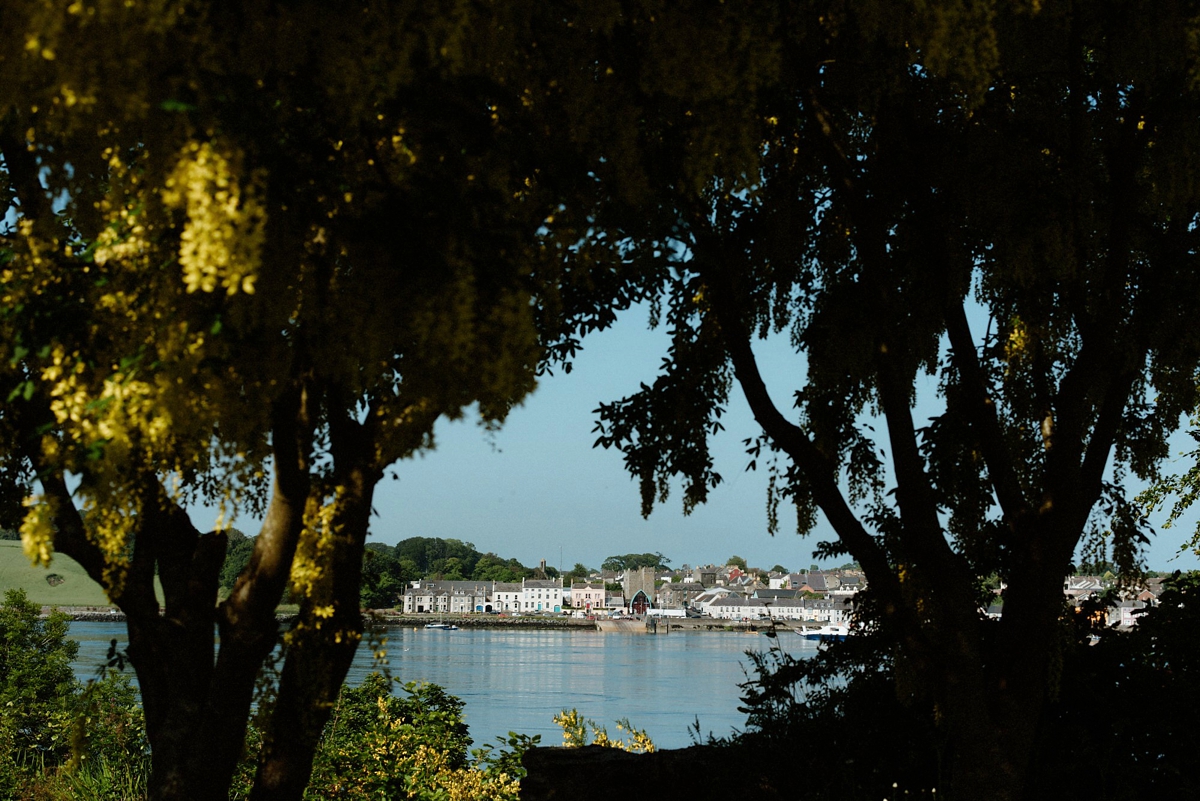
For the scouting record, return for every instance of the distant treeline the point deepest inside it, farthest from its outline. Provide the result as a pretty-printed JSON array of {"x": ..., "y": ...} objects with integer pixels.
[
  {"x": 387, "y": 569},
  {"x": 634, "y": 561}
]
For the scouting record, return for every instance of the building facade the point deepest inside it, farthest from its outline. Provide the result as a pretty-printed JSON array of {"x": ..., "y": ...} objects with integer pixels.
[
  {"x": 541, "y": 595},
  {"x": 448, "y": 597},
  {"x": 635, "y": 581},
  {"x": 587, "y": 595}
]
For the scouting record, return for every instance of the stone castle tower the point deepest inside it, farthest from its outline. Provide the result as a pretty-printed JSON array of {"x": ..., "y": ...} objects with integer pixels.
[{"x": 638, "y": 580}]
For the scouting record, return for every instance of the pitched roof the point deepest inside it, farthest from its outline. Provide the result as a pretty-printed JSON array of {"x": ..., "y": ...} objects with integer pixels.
[
  {"x": 552, "y": 584},
  {"x": 774, "y": 594},
  {"x": 815, "y": 580},
  {"x": 736, "y": 601},
  {"x": 461, "y": 587}
]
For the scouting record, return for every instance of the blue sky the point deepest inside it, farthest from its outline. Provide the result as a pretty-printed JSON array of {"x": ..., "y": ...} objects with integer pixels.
[
  {"x": 538, "y": 490},
  {"x": 537, "y": 486}
]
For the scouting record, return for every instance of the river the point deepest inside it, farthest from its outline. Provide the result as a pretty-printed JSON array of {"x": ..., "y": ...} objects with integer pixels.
[{"x": 517, "y": 680}]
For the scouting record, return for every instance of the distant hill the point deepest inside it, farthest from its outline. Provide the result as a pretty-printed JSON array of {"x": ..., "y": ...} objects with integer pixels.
[{"x": 64, "y": 583}]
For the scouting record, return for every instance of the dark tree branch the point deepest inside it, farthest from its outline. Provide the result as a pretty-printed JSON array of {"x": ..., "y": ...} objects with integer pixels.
[
  {"x": 173, "y": 652},
  {"x": 984, "y": 418},
  {"x": 137, "y": 597},
  {"x": 820, "y": 472},
  {"x": 1104, "y": 434},
  {"x": 922, "y": 533},
  {"x": 246, "y": 620},
  {"x": 261, "y": 583},
  {"x": 1092, "y": 393}
]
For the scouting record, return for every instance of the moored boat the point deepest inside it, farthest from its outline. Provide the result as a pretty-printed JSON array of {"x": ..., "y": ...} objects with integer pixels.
[
  {"x": 442, "y": 626},
  {"x": 826, "y": 633}
]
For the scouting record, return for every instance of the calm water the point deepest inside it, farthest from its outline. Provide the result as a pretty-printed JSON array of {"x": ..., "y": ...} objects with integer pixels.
[{"x": 518, "y": 680}]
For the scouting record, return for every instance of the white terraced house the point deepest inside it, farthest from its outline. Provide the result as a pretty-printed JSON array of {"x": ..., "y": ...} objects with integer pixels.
[
  {"x": 530, "y": 596},
  {"x": 733, "y": 607},
  {"x": 541, "y": 595},
  {"x": 507, "y": 597}
]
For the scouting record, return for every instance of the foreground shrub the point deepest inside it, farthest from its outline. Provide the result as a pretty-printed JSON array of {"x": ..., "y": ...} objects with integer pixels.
[
  {"x": 411, "y": 746},
  {"x": 579, "y": 731},
  {"x": 37, "y": 689},
  {"x": 60, "y": 738},
  {"x": 1115, "y": 724}
]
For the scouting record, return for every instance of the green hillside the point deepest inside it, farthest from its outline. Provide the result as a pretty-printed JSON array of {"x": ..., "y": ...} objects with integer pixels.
[{"x": 75, "y": 588}]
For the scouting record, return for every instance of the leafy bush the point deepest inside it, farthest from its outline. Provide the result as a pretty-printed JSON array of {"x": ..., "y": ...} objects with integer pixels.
[
  {"x": 59, "y": 738},
  {"x": 1120, "y": 724},
  {"x": 412, "y": 746},
  {"x": 108, "y": 727},
  {"x": 579, "y": 731},
  {"x": 877, "y": 741},
  {"x": 37, "y": 689},
  {"x": 507, "y": 758},
  {"x": 1115, "y": 725},
  {"x": 415, "y": 745}
]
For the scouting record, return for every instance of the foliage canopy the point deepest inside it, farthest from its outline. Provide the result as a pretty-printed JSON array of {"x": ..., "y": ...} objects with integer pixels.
[
  {"x": 635, "y": 561},
  {"x": 259, "y": 248},
  {"x": 256, "y": 250},
  {"x": 990, "y": 204}
]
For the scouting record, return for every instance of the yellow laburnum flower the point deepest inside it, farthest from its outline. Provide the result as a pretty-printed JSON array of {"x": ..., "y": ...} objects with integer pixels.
[
  {"x": 37, "y": 531},
  {"x": 222, "y": 239}
]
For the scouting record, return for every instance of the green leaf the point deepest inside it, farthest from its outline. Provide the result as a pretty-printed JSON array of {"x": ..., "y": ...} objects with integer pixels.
[{"x": 176, "y": 106}]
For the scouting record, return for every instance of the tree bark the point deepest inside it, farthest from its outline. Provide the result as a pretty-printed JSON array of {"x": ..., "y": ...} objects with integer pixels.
[
  {"x": 197, "y": 707},
  {"x": 329, "y": 628}
]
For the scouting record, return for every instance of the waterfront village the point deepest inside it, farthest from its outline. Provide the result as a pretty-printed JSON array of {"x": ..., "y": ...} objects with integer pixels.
[{"x": 725, "y": 593}]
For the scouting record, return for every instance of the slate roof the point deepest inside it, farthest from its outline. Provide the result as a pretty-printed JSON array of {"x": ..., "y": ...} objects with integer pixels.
[{"x": 775, "y": 594}]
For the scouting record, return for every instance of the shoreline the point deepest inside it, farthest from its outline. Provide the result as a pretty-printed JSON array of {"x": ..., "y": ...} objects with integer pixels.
[
  {"x": 389, "y": 618},
  {"x": 378, "y": 616}
]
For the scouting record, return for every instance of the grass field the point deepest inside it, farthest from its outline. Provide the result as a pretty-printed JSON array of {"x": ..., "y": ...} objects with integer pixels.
[{"x": 76, "y": 588}]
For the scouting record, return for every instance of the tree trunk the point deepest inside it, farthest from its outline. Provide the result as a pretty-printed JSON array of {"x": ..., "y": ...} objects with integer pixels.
[
  {"x": 329, "y": 628},
  {"x": 196, "y": 711}
]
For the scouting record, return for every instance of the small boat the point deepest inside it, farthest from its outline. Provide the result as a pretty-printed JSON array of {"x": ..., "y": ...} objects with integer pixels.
[
  {"x": 826, "y": 633},
  {"x": 441, "y": 625}
]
